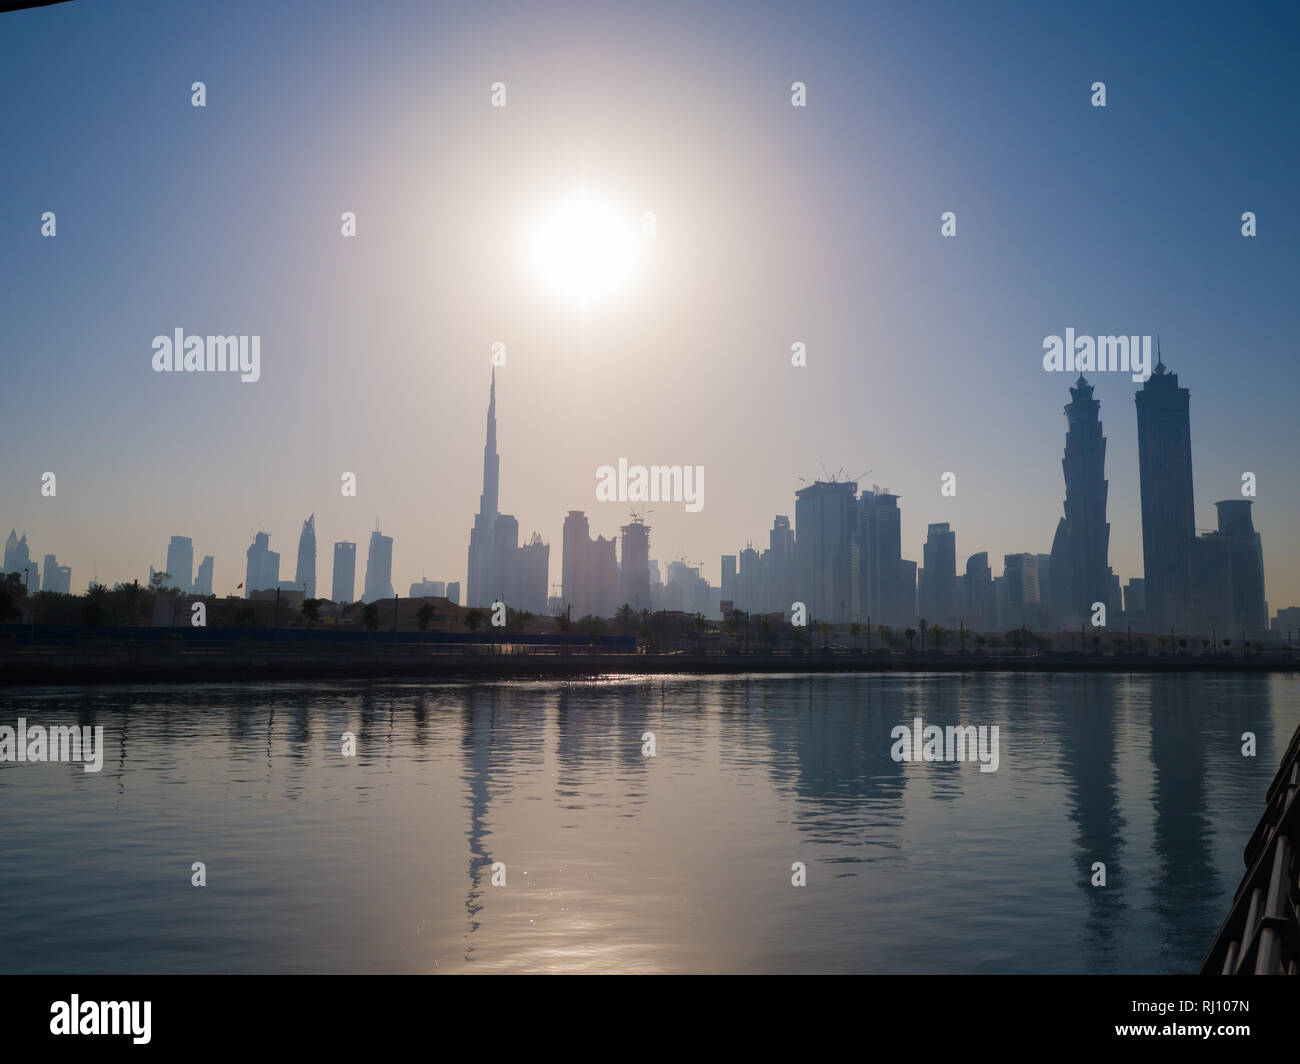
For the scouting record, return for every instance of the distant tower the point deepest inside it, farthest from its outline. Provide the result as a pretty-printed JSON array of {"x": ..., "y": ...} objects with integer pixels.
[
  {"x": 306, "y": 573},
  {"x": 345, "y": 572},
  {"x": 379, "y": 568},
  {"x": 1086, "y": 575},
  {"x": 485, "y": 583},
  {"x": 939, "y": 592},
  {"x": 1168, "y": 512},
  {"x": 825, "y": 516},
  {"x": 180, "y": 562},
  {"x": 263, "y": 569},
  {"x": 634, "y": 576},
  {"x": 203, "y": 580}
]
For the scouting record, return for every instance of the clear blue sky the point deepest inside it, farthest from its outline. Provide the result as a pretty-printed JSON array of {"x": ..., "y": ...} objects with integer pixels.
[{"x": 775, "y": 225}]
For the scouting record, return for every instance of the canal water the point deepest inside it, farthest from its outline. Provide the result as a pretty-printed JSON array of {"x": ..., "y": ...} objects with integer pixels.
[{"x": 637, "y": 825}]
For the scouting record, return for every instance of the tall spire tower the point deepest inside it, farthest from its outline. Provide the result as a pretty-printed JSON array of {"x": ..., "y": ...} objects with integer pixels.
[
  {"x": 487, "y": 502},
  {"x": 483, "y": 579}
]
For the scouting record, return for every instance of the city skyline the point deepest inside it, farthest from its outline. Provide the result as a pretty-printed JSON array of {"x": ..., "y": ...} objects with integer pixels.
[
  {"x": 819, "y": 226},
  {"x": 847, "y": 565}
]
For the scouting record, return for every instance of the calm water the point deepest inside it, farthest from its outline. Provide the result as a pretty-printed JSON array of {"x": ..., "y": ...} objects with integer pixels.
[{"x": 615, "y": 861}]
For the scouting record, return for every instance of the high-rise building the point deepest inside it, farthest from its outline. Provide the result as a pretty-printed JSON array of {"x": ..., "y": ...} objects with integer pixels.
[
  {"x": 603, "y": 576},
  {"x": 939, "y": 595},
  {"x": 305, "y": 575},
  {"x": 979, "y": 590},
  {"x": 180, "y": 563},
  {"x": 1020, "y": 588},
  {"x": 590, "y": 570},
  {"x": 263, "y": 569},
  {"x": 825, "y": 526},
  {"x": 56, "y": 577},
  {"x": 203, "y": 578},
  {"x": 880, "y": 549},
  {"x": 1168, "y": 512},
  {"x": 18, "y": 559},
  {"x": 729, "y": 574},
  {"x": 453, "y": 592},
  {"x": 575, "y": 585},
  {"x": 906, "y": 594},
  {"x": 345, "y": 572},
  {"x": 530, "y": 571},
  {"x": 1230, "y": 573},
  {"x": 1080, "y": 569},
  {"x": 781, "y": 566},
  {"x": 499, "y": 568},
  {"x": 634, "y": 571},
  {"x": 749, "y": 581},
  {"x": 486, "y": 582},
  {"x": 379, "y": 568}
]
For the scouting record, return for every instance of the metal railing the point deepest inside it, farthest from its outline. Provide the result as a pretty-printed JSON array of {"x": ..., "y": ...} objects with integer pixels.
[{"x": 1261, "y": 935}]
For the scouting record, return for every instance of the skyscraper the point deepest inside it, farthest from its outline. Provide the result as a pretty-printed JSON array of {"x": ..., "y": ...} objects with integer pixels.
[
  {"x": 574, "y": 576},
  {"x": 1080, "y": 572},
  {"x": 18, "y": 559},
  {"x": 203, "y": 579},
  {"x": 1168, "y": 513},
  {"x": 879, "y": 552},
  {"x": 379, "y": 568},
  {"x": 939, "y": 589},
  {"x": 1020, "y": 586},
  {"x": 979, "y": 587},
  {"x": 780, "y": 566},
  {"x": 263, "y": 569},
  {"x": 530, "y": 571},
  {"x": 345, "y": 572},
  {"x": 56, "y": 577},
  {"x": 634, "y": 574},
  {"x": 305, "y": 576},
  {"x": 485, "y": 581},
  {"x": 825, "y": 524},
  {"x": 180, "y": 562},
  {"x": 729, "y": 579},
  {"x": 1230, "y": 573}
]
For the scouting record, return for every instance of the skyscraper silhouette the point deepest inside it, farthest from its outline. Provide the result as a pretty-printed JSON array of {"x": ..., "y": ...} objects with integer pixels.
[
  {"x": 345, "y": 572},
  {"x": 306, "y": 572},
  {"x": 825, "y": 515},
  {"x": 484, "y": 582},
  {"x": 1080, "y": 570},
  {"x": 180, "y": 562},
  {"x": 379, "y": 568},
  {"x": 1168, "y": 512}
]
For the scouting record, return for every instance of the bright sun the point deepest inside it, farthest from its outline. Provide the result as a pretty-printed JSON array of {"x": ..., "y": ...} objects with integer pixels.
[{"x": 583, "y": 250}]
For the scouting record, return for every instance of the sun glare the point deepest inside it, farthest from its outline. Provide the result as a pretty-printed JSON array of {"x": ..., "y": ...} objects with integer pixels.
[{"x": 583, "y": 250}]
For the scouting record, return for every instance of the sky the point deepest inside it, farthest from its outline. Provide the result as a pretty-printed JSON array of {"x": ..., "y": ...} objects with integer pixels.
[{"x": 773, "y": 225}]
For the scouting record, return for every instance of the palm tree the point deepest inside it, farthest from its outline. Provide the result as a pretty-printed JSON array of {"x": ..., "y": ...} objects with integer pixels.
[
  {"x": 473, "y": 618},
  {"x": 825, "y": 629},
  {"x": 625, "y": 615},
  {"x": 854, "y": 630},
  {"x": 886, "y": 634},
  {"x": 911, "y": 634},
  {"x": 422, "y": 617},
  {"x": 923, "y": 627},
  {"x": 937, "y": 633}
]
